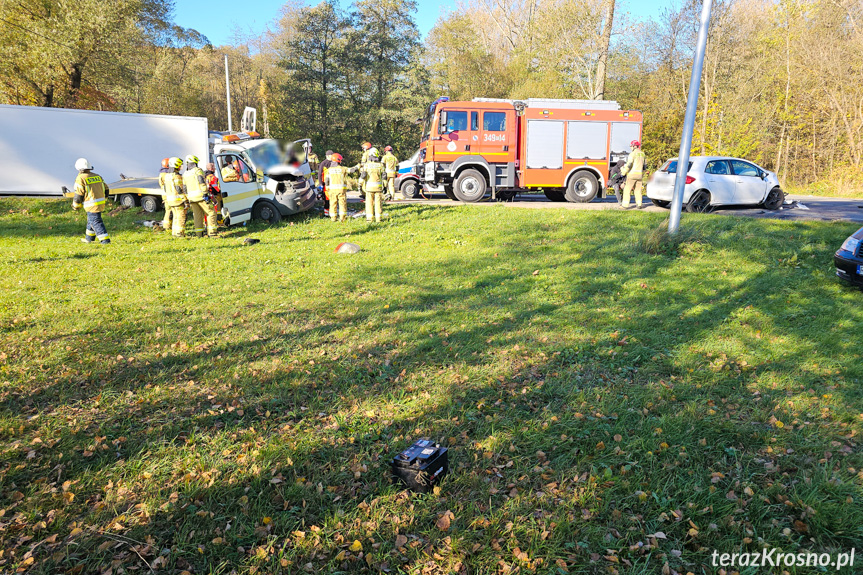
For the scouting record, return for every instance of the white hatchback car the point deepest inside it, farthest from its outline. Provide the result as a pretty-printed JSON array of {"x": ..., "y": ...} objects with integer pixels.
[{"x": 717, "y": 181}]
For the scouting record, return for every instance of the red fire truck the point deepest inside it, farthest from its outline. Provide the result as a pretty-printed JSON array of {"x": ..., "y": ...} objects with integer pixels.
[{"x": 564, "y": 148}]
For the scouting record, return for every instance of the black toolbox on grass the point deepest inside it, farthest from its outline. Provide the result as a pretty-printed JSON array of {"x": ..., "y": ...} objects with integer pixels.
[{"x": 421, "y": 466}]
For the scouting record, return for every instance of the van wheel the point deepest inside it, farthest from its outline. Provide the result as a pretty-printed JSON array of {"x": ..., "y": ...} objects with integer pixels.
[
  {"x": 582, "y": 187},
  {"x": 266, "y": 211},
  {"x": 128, "y": 201},
  {"x": 699, "y": 203},
  {"x": 774, "y": 200},
  {"x": 410, "y": 190},
  {"x": 150, "y": 204},
  {"x": 554, "y": 194},
  {"x": 470, "y": 186}
]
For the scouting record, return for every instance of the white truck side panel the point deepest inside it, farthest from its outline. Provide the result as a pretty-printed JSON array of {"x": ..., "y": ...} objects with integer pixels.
[{"x": 39, "y": 146}]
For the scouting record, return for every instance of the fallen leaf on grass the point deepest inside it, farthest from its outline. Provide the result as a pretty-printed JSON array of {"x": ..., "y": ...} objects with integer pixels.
[
  {"x": 355, "y": 547},
  {"x": 401, "y": 541},
  {"x": 444, "y": 521}
]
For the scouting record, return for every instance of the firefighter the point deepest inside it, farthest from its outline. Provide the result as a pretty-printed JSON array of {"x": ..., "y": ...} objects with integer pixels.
[
  {"x": 322, "y": 189},
  {"x": 368, "y": 149},
  {"x": 391, "y": 165},
  {"x": 314, "y": 162},
  {"x": 175, "y": 197},
  {"x": 373, "y": 173},
  {"x": 213, "y": 189},
  {"x": 634, "y": 172},
  {"x": 91, "y": 193},
  {"x": 196, "y": 193},
  {"x": 164, "y": 176},
  {"x": 229, "y": 171},
  {"x": 335, "y": 180}
]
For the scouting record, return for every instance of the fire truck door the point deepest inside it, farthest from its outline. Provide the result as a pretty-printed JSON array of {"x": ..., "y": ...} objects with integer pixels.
[{"x": 497, "y": 136}]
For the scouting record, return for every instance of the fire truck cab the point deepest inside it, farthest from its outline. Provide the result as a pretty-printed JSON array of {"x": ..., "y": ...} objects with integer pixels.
[{"x": 564, "y": 148}]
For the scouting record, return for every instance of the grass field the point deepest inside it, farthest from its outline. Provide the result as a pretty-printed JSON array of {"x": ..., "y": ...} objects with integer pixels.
[{"x": 200, "y": 406}]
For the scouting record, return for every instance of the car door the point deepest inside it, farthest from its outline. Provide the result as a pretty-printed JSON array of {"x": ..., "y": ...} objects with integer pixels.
[
  {"x": 720, "y": 181},
  {"x": 749, "y": 186},
  {"x": 238, "y": 197}
]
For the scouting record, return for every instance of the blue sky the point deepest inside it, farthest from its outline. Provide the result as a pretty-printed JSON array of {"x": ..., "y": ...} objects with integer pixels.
[{"x": 221, "y": 20}]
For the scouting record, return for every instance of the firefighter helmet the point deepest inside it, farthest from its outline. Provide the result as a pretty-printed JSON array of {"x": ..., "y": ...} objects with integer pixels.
[
  {"x": 366, "y": 145},
  {"x": 388, "y": 149},
  {"x": 83, "y": 164},
  {"x": 176, "y": 163},
  {"x": 164, "y": 162},
  {"x": 635, "y": 144},
  {"x": 192, "y": 159},
  {"x": 337, "y": 158}
]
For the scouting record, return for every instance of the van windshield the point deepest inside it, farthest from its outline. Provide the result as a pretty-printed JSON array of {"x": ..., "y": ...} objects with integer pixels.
[{"x": 266, "y": 155}]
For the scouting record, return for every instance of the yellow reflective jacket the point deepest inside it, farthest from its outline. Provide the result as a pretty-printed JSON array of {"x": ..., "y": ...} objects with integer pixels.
[
  {"x": 174, "y": 194},
  {"x": 391, "y": 163},
  {"x": 374, "y": 176},
  {"x": 164, "y": 174},
  {"x": 196, "y": 184},
  {"x": 634, "y": 167},
  {"x": 334, "y": 177},
  {"x": 91, "y": 192}
]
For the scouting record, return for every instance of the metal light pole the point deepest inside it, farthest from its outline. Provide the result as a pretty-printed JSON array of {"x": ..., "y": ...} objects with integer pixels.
[
  {"x": 689, "y": 120},
  {"x": 228, "y": 90}
]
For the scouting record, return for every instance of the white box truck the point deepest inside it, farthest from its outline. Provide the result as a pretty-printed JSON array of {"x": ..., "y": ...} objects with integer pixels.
[{"x": 39, "y": 146}]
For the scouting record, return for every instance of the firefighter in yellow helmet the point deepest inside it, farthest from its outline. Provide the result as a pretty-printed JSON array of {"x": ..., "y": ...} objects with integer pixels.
[
  {"x": 391, "y": 167},
  {"x": 164, "y": 176},
  {"x": 335, "y": 179},
  {"x": 634, "y": 172},
  {"x": 196, "y": 193},
  {"x": 175, "y": 197},
  {"x": 91, "y": 193},
  {"x": 373, "y": 171}
]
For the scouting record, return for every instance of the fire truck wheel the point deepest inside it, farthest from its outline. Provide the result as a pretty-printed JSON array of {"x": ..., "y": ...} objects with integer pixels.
[
  {"x": 267, "y": 212},
  {"x": 128, "y": 201},
  {"x": 470, "y": 186},
  {"x": 447, "y": 189},
  {"x": 410, "y": 189},
  {"x": 150, "y": 204},
  {"x": 506, "y": 195},
  {"x": 582, "y": 187},
  {"x": 554, "y": 195}
]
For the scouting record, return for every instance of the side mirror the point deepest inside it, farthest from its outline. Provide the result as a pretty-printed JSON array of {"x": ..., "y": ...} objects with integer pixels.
[{"x": 442, "y": 124}]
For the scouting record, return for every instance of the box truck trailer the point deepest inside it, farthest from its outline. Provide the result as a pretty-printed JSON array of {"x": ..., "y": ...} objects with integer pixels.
[{"x": 39, "y": 146}]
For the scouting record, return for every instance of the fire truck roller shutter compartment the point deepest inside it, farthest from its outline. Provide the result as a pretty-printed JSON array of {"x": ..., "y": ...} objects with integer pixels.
[
  {"x": 586, "y": 141},
  {"x": 545, "y": 144},
  {"x": 622, "y": 133}
]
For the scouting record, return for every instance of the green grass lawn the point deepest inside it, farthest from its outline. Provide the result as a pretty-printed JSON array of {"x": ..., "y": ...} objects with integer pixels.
[{"x": 201, "y": 406}]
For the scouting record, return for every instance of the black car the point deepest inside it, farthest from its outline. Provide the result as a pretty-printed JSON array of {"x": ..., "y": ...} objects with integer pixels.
[{"x": 849, "y": 259}]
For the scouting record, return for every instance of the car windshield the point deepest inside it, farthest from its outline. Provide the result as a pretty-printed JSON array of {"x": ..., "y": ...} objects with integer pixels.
[
  {"x": 266, "y": 155},
  {"x": 671, "y": 167}
]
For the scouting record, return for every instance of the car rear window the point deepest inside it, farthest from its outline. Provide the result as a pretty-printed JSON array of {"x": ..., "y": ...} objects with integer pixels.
[{"x": 671, "y": 166}]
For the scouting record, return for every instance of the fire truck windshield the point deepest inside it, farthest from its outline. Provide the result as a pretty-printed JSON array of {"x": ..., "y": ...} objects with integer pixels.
[{"x": 427, "y": 123}]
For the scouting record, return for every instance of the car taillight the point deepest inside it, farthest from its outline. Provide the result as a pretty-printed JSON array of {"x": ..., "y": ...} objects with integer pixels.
[{"x": 689, "y": 179}]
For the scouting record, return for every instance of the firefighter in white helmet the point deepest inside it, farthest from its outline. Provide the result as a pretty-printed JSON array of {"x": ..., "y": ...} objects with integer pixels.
[
  {"x": 91, "y": 193},
  {"x": 196, "y": 193}
]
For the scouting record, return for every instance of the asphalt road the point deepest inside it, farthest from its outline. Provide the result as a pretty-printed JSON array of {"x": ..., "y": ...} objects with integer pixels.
[{"x": 795, "y": 208}]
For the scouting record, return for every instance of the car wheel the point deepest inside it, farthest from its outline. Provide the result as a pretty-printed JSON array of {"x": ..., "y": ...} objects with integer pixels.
[
  {"x": 661, "y": 203},
  {"x": 267, "y": 212},
  {"x": 554, "y": 194},
  {"x": 582, "y": 187},
  {"x": 150, "y": 204},
  {"x": 410, "y": 189},
  {"x": 774, "y": 200},
  {"x": 699, "y": 203},
  {"x": 470, "y": 186},
  {"x": 128, "y": 201}
]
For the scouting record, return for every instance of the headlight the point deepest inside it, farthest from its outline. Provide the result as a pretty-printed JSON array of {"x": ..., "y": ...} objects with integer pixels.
[{"x": 851, "y": 245}]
